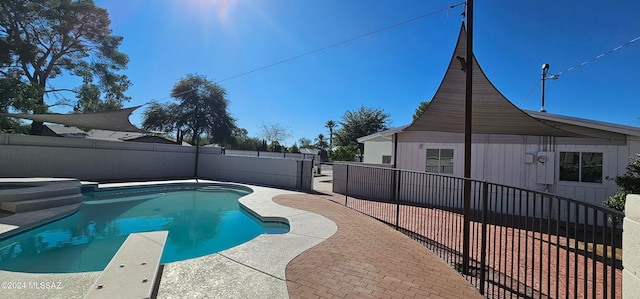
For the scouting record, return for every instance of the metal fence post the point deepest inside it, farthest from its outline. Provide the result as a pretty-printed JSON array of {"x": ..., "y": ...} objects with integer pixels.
[
  {"x": 483, "y": 247},
  {"x": 301, "y": 173},
  {"x": 396, "y": 196},
  {"x": 466, "y": 226},
  {"x": 346, "y": 186}
]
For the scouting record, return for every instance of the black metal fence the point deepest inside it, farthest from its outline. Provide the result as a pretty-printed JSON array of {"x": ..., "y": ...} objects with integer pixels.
[{"x": 522, "y": 243}]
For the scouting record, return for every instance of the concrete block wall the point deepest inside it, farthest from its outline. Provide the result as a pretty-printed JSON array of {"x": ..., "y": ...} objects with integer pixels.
[
  {"x": 287, "y": 173},
  {"x": 631, "y": 247},
  {"x": 100, "y": 160},
  {"x": 86, "y": 159}
]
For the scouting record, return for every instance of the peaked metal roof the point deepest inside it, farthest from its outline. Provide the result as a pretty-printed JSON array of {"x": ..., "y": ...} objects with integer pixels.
[
  {"x": 111, "y": 120},
  {"x": 492, "y": 113}
]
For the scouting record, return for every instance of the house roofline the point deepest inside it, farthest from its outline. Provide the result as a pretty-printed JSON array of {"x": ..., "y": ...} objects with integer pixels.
[
  {"x": 593, "y": 124},
  {"x": 587, "y": 123},
  {"x": 382, "y": 133}
]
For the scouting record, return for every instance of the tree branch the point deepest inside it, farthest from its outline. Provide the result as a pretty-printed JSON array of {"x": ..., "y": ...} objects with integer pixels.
[{"x": 61, "y": 89}]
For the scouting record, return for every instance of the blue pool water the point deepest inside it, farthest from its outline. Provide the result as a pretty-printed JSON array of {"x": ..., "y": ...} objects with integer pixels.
[{"x": 201, "y": 220}]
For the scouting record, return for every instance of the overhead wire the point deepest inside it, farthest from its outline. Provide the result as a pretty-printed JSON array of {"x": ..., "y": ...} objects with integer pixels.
[
  {"x": 342, "y": 42},
  {"x": 530, "y": 92},
  {"x": 327, "y": 47},
  {"x": 557, "y": 75}
]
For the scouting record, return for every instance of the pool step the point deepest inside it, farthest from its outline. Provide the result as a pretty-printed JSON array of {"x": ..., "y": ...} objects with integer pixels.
[
  {"x": 38, "y": 193},
  {"x": 38, "y": 189},
  {"x": 41, "y": 203}
]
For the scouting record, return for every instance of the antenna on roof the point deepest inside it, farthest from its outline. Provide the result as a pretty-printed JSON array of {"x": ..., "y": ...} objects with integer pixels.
[{"x": 545, "y": 70}]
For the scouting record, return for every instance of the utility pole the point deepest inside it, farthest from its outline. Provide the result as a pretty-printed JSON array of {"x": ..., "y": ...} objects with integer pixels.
[{"x": 467, "y": 140}]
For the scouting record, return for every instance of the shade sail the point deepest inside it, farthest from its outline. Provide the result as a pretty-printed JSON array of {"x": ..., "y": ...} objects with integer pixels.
[
  {"x": 492, "y": 113},
  {"x": 111, "y": 120}
]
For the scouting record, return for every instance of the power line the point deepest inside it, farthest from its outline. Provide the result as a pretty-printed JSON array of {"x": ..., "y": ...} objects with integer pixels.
[
  {"x": 327, "y": 47},
  {"x": 595, "y": 58},
  {"x": 530, "y": 92},
  {"x": 341, "y": 42},
  {"x": 557, "y": 75}
]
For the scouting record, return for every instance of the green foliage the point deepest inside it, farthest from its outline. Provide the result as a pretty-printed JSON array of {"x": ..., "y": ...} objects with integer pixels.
[
  {"x": 294, "y": 148},
  {"x": 321, "y": 142},
  {"x": 240, "y": 140},
  {"x": 275, "y": 147},
  {"x": 421, "y": 108},
  {"x": 160, "y": 117},
  {"x": 305, "y": 142},
  {"x": 41, "y": 39},
  {"x": 331, "y": 125},
  {"x": 617, "y": 201},
  {"x": 345, "y": 153},
  {"x": 16, "y": 95},
  {"x": 363, "y": 122},
  {"x": 201, "y": 109},
  {"x": 629, "y": 183}
]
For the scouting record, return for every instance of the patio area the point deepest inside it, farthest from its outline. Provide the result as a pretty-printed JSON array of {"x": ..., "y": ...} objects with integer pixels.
[{"x": 367, "y": 259}]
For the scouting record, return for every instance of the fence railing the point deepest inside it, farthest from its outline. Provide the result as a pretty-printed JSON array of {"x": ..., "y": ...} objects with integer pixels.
[
  {"x": 522, "y": 243},
  {"x": 267, "y": 154}
]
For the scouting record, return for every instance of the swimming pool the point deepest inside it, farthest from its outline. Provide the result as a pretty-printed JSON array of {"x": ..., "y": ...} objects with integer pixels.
[{"x": 201, "y": 219}]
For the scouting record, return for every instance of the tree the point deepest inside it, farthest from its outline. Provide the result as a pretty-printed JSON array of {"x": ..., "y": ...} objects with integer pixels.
[
  {"x": 345, "y": 153},
  {"x": 162, "y": 118},
  {"x": 201, "y": 109},
  {"x": 629, "y": 183},
  {"x": 363, "y": 122},
  {"x": 305, "y": 142},
  {"x": 276, "y": 147},
  {"x": 421, "y": 108},
  {"x": 330, "y": 124},
  {"x": 274, "y": 132},
  {"x": 15, "y": 95},
  {"x": 294, "y": 148},
  {"x": 240, "y": 140},
  {"x": 41, "y": 39},
  {"x": 321, "y": 143}
]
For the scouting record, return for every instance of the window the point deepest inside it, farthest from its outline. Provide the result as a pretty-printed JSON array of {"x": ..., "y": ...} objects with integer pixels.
[
  {"x": 440, "y": 160},
  {"x": 386, "y": 159},
  {"x": 581, "y": 167}
]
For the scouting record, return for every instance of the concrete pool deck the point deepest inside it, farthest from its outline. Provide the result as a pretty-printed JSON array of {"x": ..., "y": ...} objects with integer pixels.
[
  {"x": 330, "y": 252},
  {"x": 251, "y": 270}
]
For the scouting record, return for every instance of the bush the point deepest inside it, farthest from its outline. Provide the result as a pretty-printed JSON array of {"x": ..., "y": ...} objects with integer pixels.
[
  {"x": 345, "y": 153},
  {"x": 629, "y": 183}
]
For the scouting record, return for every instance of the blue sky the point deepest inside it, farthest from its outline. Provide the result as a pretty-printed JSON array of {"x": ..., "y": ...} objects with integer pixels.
[{"x": 393, "y": 70}]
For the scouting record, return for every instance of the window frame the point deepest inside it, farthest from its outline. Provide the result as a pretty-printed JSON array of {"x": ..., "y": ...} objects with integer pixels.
[
  {"x": 440, "y": 166},
  {"x": 388, "y": 157},
  {"x": 581, "y": 166}
]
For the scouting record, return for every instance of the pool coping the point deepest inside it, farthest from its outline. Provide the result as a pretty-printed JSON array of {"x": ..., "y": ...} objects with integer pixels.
[{"x": 253, "y": 269}]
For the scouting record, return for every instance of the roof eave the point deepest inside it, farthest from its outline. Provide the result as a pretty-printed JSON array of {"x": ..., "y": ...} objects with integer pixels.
[{"x": 593, "y": 124}]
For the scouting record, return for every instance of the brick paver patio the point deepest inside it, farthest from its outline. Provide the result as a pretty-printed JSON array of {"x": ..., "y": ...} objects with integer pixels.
[{"x": 367, "y": 259}]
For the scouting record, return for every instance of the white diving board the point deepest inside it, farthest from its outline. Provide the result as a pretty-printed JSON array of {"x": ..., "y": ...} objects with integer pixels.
[{"x": 132, "y": 272}]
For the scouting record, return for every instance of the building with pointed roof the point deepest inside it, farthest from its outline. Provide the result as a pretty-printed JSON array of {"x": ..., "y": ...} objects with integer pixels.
[{"x": 564, "y": 155}]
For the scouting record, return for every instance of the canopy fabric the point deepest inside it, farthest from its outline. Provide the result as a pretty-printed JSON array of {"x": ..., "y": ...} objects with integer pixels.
[
  {"x": 492, "y": 113},
  {"x": 111, "y": 120}
]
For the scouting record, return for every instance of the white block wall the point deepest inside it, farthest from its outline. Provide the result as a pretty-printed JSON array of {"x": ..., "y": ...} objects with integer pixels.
[
  {"x": 86, "y": 159},
  {"x": 287, "y": 173},
  {"x": 631, "y": 247},
  {"x": 99, "y": 160}
]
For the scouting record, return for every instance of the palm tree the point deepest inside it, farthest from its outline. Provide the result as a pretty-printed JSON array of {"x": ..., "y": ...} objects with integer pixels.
[
  {"x": 321, "y": 143},
  {"x": 330, "y": 124}
]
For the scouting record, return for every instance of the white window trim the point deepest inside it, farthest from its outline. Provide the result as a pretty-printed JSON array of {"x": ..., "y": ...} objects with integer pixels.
[
  {"x": 440, "y": 159},
  {"x": 581, "y": 151}
]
